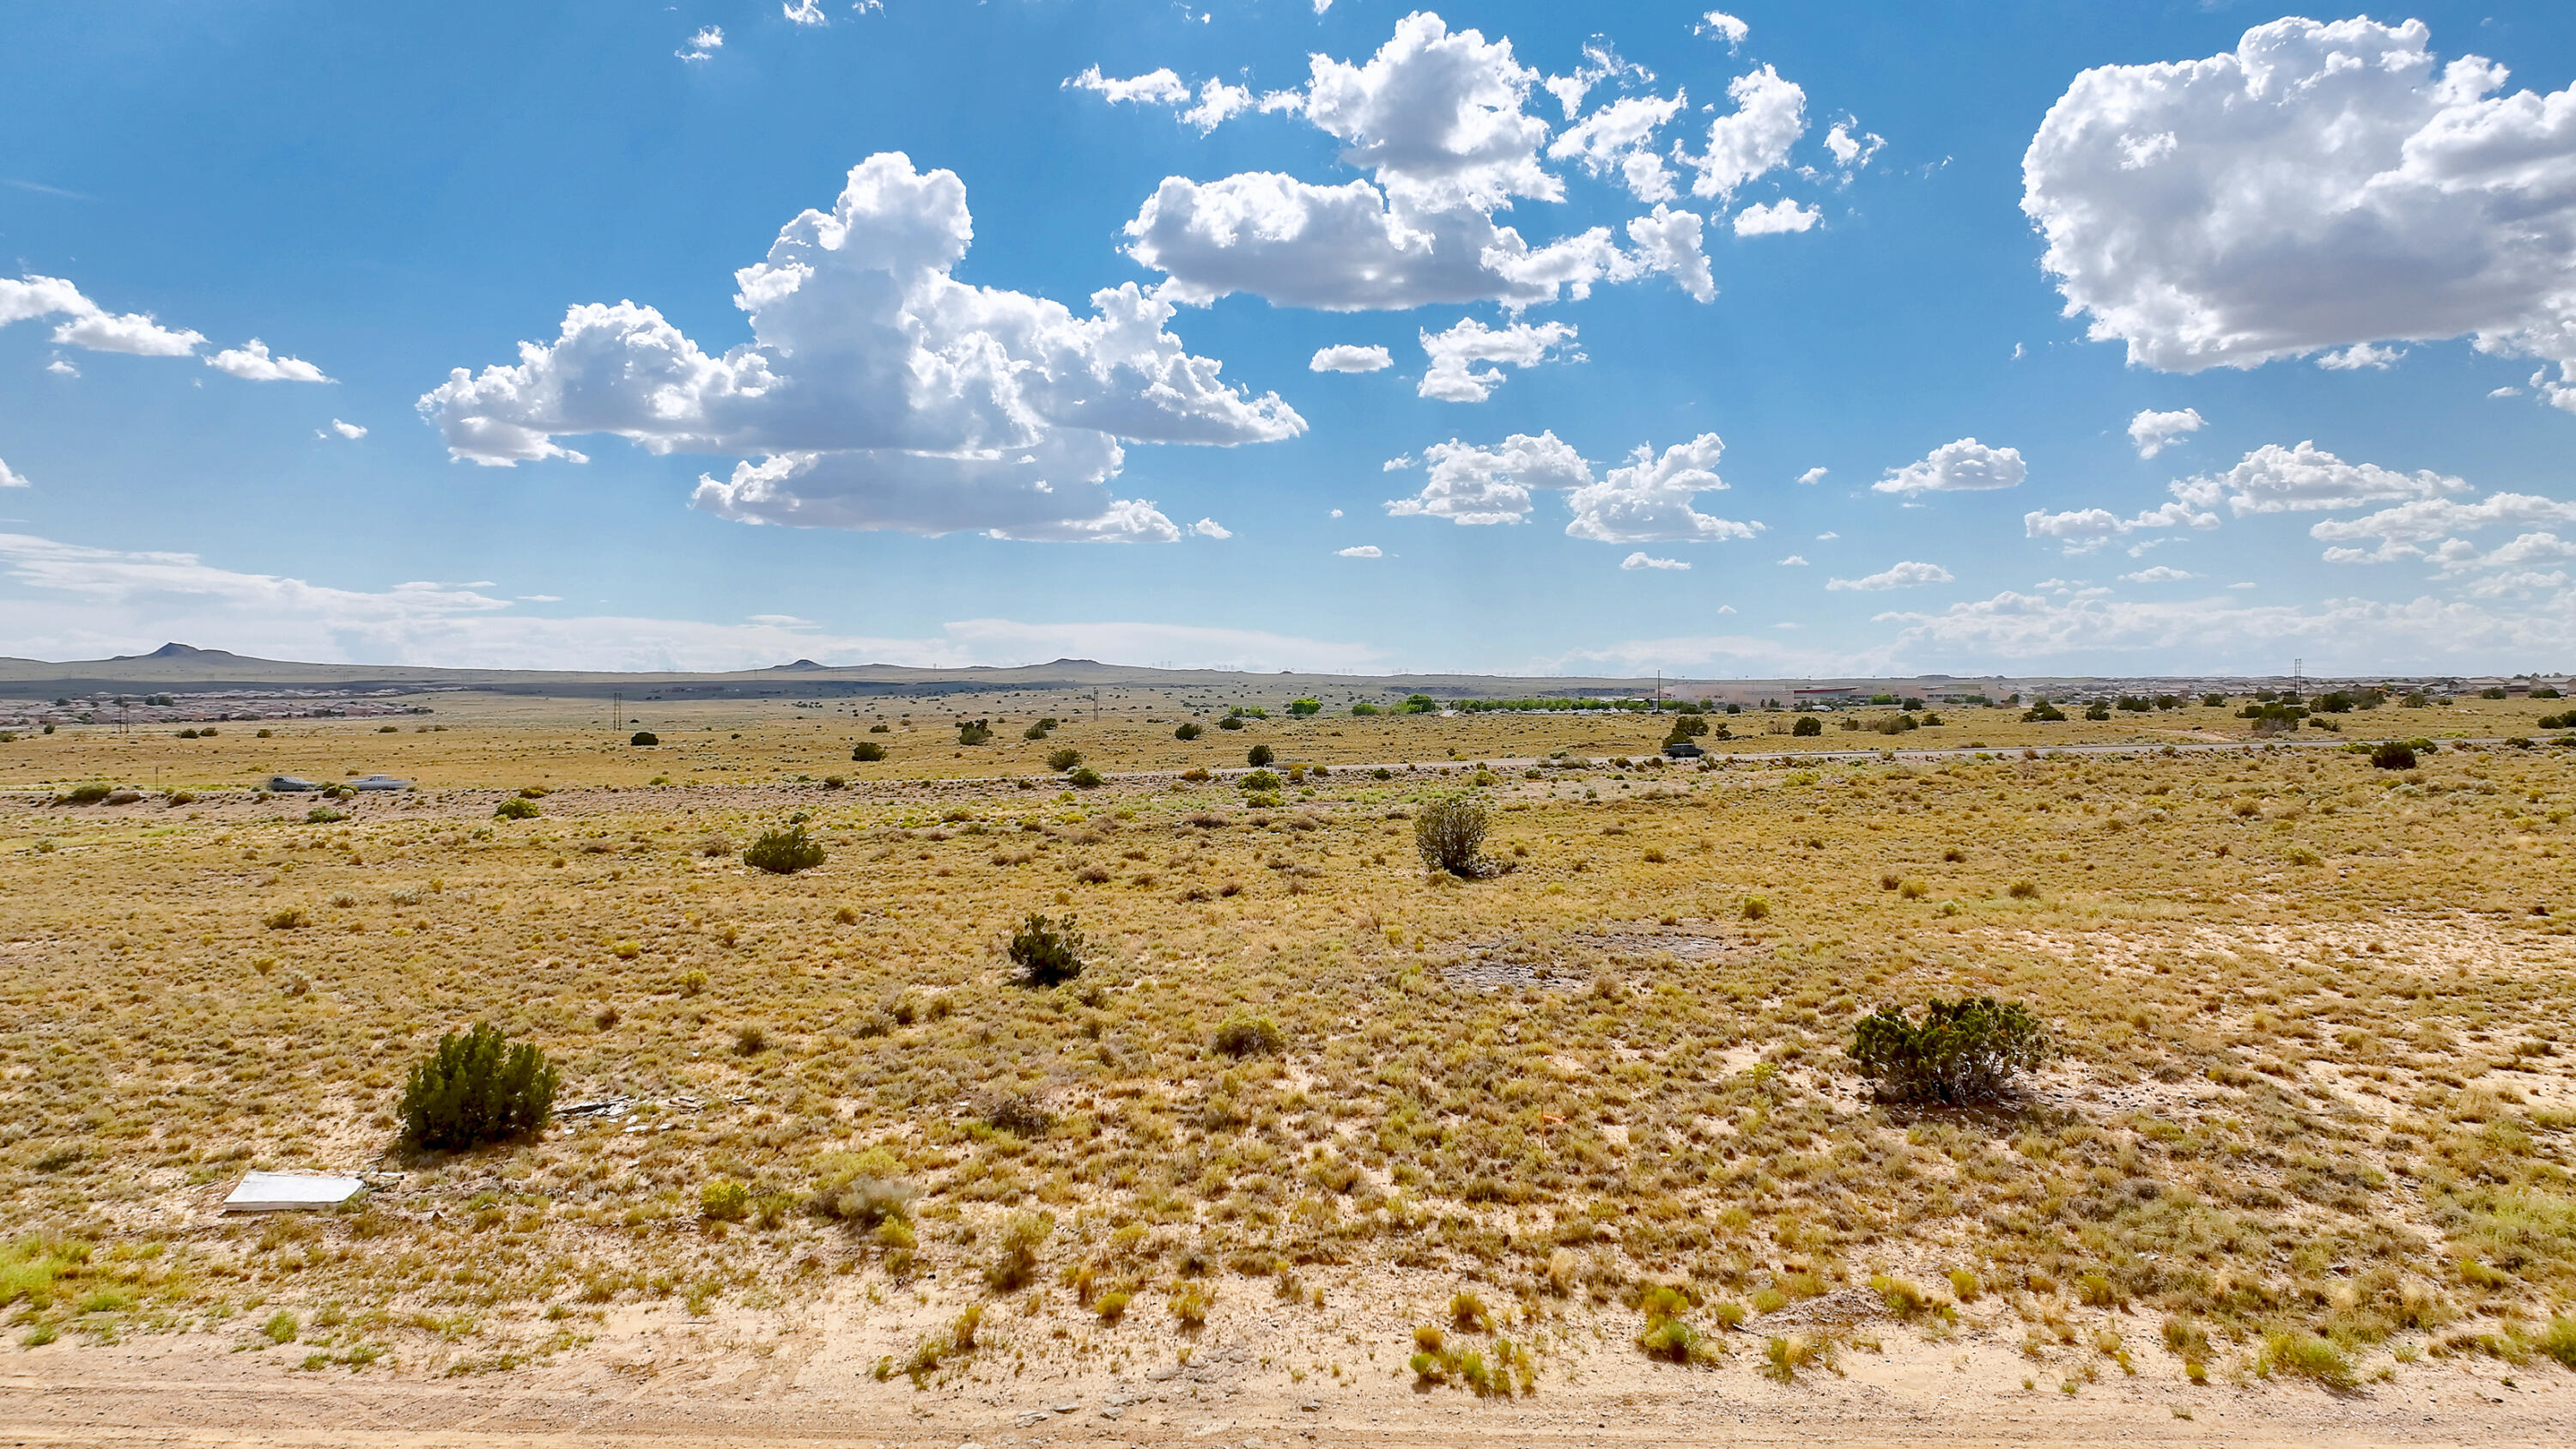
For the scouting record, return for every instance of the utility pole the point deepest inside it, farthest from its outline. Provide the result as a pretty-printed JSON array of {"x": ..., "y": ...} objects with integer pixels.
[{"x": 616, "y": 711}]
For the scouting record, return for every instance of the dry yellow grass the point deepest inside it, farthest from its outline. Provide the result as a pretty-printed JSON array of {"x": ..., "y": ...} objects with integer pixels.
[{"x": 2318, "y": 1085}]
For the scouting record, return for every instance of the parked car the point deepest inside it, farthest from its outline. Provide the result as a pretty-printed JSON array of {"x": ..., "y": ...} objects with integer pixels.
[
  {"x": 290, "y": 785},
  {"x": 379, "y": 782},
  {"x": 1684, "y": 750}
]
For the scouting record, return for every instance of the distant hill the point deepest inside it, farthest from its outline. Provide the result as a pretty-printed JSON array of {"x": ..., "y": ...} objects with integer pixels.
[{"x": 183, "y": 668}]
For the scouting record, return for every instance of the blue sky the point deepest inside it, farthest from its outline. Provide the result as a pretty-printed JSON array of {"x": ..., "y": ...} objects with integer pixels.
[{"x": 2129, "y": 338}]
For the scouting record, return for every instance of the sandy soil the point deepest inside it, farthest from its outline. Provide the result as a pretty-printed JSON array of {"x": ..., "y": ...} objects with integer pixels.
[{"x": 742, "y": 1381}]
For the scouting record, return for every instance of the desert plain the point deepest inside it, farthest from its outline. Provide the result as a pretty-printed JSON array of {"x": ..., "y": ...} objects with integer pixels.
[{"x": 1320, "y": 1146}]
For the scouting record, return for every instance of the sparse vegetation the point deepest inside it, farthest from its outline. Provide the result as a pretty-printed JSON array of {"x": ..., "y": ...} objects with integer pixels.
[
  {"x": 1048, "y": 952},
  {"x": 1450, "y": 835}
]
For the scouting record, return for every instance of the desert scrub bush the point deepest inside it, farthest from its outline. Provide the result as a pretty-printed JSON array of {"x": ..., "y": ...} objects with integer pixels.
[
  {"x": 784, "y": 852},
  {"x": 1022, "y": 1114},
  {"x": 642, "y": 738},
  {"x": 1084, "y": 777},
  {"x": 2305, "y": 1355},
  {"x": 475, "y": 1089},
  {"x": 1808, "y": 727},
  {"x": 1112, "y": 1305},
  {"x": 1468, "y": 1312},
  {"x": 84, "y": 795},
  {"x": 1015, "y": 1264},
  {"x": 1259, "y": 755},
  {"x": 1047, "y": 952},
  {"x": 286, "y": 918},
  {"x": 1190, "y": 1303},
  {"x": 1248, "y": 1036},
  {"x": 1449, "y": 833},
  {"x": 1667, "y": 1335},
  {"x": 2558, "y": 1341},
  {"x": 724, "y": 1201},
  {"x": 1784, "y": 1356},
  {"x": 1967, "y": 1050},
  {"x": 517, "y": 807},
  {"x": 975, "y": 732},
  {"x": 1063, "y": 758},
  {"x": 867, "y": 752},
  {"x": 866, "y": 1190},
  {"x": 2392, "y": 755}
]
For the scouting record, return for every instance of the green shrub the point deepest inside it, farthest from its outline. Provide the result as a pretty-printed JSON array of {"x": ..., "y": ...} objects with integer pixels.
[
  {"x": 1302, "y": 708},
  {"x": 1259, "y": 755},
  {"x": 1807, "y": 727},
  {"x": 1363, "y": 710},
  {"x": 1449, "y": 833},
  {"x": 1230, "y": 722},
  {"x": 2559, "y": 1339},
  {"x": 1017, "y": 1263},
  {"x": 1084, "y": 778},
  {"x": 867, "y": 752},
  {"x": 1112, "y": 1305},
  {"x": 1047, "y": 952},
  {"x": 516, "y": 808},
  {"x": 2392, "y": 755},
  {"x": 1063, "y": 759},
  {"x": 1260, "y": 780},
  {"x": 724, "y": 1201},
  {"x": 1756, "y": 908},
  {"x": 84, "y": 794},
  {"x": 1961, "y": 1051},
  {"x": 475, "y": 1089},
  {"x": 975, "y": 732},
  {"x": 323, "y": 815},
  {"x": 784, "y": 852},
  {"x": 645, "y": 737},
  {"x": 864, "y": 1189},
  {"x": 1187, "y": 730},
  {"x": 2042, "y": 711},
  {"x": 1246, "y": 1036},
  {"x": 2307, "y": 1356}
]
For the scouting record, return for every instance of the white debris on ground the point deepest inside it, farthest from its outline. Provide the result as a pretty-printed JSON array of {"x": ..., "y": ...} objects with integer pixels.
[{"x": 273, "y": 1192}]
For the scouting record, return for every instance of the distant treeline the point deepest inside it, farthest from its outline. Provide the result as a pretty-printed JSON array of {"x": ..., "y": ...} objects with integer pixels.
[{"x": 1477, "y": 706}]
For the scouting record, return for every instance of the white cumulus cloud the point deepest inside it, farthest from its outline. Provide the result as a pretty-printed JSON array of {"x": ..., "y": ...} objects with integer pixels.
[
  {"x": 87, "y": 324},
  {"x": 351, "y": 431},
  {"x": 1361, "y": 550},
  {"x": 1347, "y": 357},
  {"x": 2322, "y": 186},
  {"x": 1752, "y": 140},
  {"x": 1619, "y": 140},
  {"x": 2361, "y": 356},
  {"x": 1776, "y": 218},
  {"x": 1439, "y": 120},
  {"x": 1794, "y": 561},
  {"x": 1724, "y": 26},
  {"x": 703, "y": 45},
  {"x": 1812, "y": 475},
  {"x": 9, "y": 478},
  {"x": 2083, "y": 530},
  {"x": 1210, "y": 528},
  {"x": 2152, "y": 432},
  {"x": 2274, "y": 479},
  {"x": 2160, "y": 574},
  {"x": 1154, "y": 87},
  {"x": 251, "y": 362},
  {"x": 1852, "y": 152},
  {"x": 1644, "y": 560},
  {"x": 1649, "y": 499},
  {"x": 1905, "y": 575},
  {"x": 1964, "y": 466},
  {"x": 881, "y": 392},
  {"x": 1453, "y": 376}
]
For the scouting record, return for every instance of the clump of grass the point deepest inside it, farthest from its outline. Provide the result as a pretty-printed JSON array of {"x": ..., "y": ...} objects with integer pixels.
[
  {"x": 477, "y": 1089},
  {"x": 1785, "y": 1355},
  {"x": 1190, "y": 1304},
  {"x": 1667, "y": 1335},
  {"x": 2307, "y": 1356},
  {"x": 784, "y": 852},
  {"x": 1468, "y": 1312},
  {"x": 1247, "y": 1036},
  {"x": 724, "y": 1201},
  {"x": 517, "y": 807},
  {"x": 1015, "y": 1266}
]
